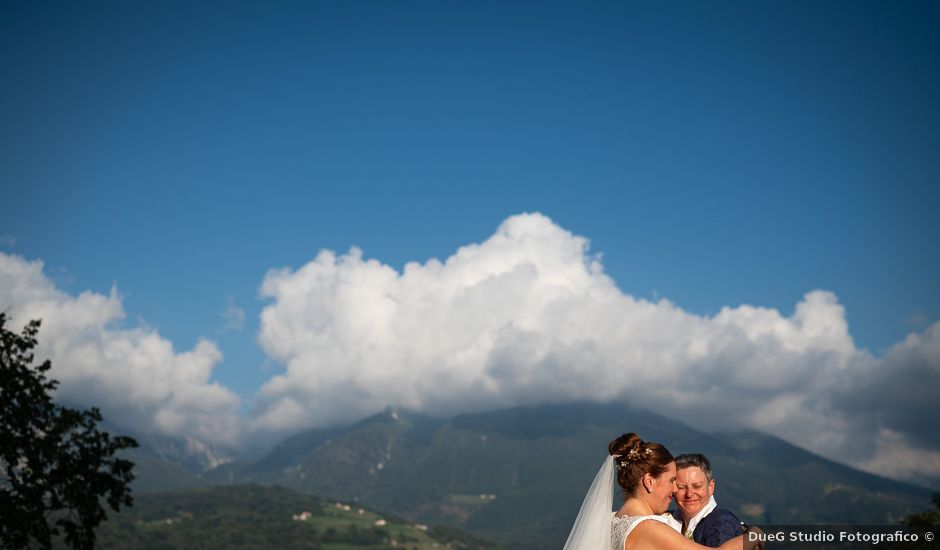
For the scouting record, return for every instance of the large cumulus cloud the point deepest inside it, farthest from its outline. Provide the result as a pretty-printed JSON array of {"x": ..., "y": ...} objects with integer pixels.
[
  {"x": 134, "y": 375},
  {"x": 529, "y": 316}
]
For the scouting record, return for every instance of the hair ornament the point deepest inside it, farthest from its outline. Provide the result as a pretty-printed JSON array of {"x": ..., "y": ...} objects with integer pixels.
[{"x": 638, "y": 451}]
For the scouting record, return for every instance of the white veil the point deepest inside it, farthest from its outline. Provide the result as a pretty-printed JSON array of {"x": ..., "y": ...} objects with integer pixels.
[{"x": 591, "y": 529}]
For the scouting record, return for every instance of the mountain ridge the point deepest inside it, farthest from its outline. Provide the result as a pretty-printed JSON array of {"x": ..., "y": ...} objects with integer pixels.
[{"x": 517, "y": 475}]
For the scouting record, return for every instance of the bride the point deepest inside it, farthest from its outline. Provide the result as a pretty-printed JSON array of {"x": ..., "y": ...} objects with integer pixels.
[{"x": 647, "y": 474}]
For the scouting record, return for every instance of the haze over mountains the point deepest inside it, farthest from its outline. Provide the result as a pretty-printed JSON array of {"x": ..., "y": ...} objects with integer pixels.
[{"x": 517, "y": 476}]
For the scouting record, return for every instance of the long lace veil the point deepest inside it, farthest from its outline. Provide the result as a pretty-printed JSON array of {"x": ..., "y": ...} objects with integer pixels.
[{"x": 591, "y": 529}]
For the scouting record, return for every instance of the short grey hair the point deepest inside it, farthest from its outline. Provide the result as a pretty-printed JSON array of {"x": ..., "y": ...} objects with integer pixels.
[{"x": 689, "y": 460}]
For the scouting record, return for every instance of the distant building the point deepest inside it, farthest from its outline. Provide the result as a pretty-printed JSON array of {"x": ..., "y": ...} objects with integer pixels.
[{"x": 303, "y": 516}]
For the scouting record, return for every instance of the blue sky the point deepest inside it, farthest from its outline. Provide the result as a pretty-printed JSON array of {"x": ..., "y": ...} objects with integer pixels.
[{"x": 716, "y": 154}]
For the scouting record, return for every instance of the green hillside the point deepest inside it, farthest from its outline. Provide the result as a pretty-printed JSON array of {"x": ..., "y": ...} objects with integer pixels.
[
  {"x": 256, "y": 517},
  {"x": 156, "y": 475}
]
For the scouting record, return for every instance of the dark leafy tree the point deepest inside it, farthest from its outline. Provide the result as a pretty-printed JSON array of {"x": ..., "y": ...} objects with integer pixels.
[
  {"x": 930, "y": 518},
  {"x": 58, "y": 468}
]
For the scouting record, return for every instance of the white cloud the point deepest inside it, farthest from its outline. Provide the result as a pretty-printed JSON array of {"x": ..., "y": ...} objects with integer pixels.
[
  {"x": 528, "y": 316},
  {"x": 134, "y": 375}
]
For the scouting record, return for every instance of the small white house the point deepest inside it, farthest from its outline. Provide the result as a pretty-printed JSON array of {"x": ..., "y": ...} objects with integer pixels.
[{"x": 303, "y": 516}]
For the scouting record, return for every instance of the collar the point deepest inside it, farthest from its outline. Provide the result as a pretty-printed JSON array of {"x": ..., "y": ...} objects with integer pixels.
[{"x": 712, "y": 504}]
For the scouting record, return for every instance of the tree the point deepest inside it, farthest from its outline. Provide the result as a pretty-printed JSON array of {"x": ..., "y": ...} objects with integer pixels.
[
  {"x": 930, "y": 518},
  {"x": 57, "y": 466}
]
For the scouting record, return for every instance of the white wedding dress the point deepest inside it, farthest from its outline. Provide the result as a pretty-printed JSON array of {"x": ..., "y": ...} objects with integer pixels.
[{"x": 622, "y": 526}]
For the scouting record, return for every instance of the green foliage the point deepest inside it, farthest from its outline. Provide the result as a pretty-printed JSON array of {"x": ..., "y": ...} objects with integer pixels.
[
  {"x": 930, "y": 518},
  {"x": 56, "y": 465},
  {"x": 225, "y": 517},
  {"x": 456, "y": 538},
  {"x": 252, "y": 516}
]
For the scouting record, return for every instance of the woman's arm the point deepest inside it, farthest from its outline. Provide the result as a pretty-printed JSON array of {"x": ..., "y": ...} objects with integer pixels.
[{"x": 653, "y": 535}]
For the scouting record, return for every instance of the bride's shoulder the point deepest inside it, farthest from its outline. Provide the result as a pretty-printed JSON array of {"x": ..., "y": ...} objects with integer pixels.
[{"x": 666, "y": 519}]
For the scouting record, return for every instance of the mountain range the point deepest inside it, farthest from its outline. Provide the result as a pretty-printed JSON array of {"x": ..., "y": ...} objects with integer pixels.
[{"x": 517, "y": 476}]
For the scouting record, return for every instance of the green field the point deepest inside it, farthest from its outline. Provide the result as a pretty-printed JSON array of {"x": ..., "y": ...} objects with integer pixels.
[{"x": 250, "y": 516}]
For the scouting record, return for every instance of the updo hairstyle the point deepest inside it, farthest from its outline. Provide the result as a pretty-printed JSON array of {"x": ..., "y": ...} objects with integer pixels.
[{"x": 634, "y": 457}]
